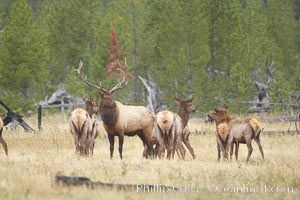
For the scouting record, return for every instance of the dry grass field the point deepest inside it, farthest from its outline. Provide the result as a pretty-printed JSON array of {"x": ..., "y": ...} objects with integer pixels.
[{"x": 34, "y": 159}]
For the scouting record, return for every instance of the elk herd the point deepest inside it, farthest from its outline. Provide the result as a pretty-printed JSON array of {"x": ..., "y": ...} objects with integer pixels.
[{"x": 163, "y": 132}]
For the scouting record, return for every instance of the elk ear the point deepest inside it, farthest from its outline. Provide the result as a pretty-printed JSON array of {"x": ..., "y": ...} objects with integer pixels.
[
  {"x": 217, "y": 110},
  {"x": 84, "y": 99},
  {"x": 94, "y": 100},
  {"x": 177, "y": 98},
  {"x": 225, "y": 106}
]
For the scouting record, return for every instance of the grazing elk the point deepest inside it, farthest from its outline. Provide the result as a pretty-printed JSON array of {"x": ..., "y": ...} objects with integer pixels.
[
  {"x": 119, "y": 119},
  {"x": 242, "y": 130},
  {"x": 171, "y": 127},
  {"x": 1, "y": 138},
  {"x": 81, "y": 127}
]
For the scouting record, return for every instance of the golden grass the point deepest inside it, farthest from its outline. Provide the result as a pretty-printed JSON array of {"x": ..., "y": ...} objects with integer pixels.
[{"x": 34, "y": 159}]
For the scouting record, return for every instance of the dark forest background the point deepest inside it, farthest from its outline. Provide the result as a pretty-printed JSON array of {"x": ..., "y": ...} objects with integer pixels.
[{"x": 209, "y": 49}]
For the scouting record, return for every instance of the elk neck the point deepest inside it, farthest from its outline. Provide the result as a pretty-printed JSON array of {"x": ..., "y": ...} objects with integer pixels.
[
  {"x": 183, "y": 113},
  {"x": 109, "y": 114}
]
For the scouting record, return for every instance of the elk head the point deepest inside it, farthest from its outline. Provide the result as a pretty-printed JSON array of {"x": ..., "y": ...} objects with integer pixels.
[
  {"x": 219, "y": 115},
  {"x": 185, "y": 108},
  {"x": 90, "y": 106},
  {"x": 186, "y": 104},
  {"x": 106, "y": 102}
]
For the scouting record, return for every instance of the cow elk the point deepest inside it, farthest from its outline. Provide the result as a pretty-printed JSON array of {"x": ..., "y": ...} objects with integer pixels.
[
  {"x": 90, "y": 106},
  {"x": 119, "y": 119},
  {"x": 81, "y": 127},
  {"x": 1, "y": 138},
  {"x": 171, "y": 126},
  {"x": 242, "y": 130}
]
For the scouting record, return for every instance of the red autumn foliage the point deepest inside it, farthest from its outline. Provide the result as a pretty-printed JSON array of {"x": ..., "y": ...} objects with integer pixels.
[{"x": 116, "y": 53}]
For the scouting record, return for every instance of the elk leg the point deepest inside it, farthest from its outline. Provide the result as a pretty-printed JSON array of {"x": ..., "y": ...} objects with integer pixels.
[
  {"x": 182, "y": 151},
  {"x": 161, "y": 151},
  {"x": 237, "y": 145},
  {"x": 227, "y": 150},
  {"x": 231, "y": 149},
  {"x": 219, "y": 151},
  {"x": 3, "y": 142},
  {"x": 141, "y": 136},
  {"x": 121, "y": 140},
  {"x": 250, "y": 149},
  {"x": 111, "y": 139},
  {"x": 257, "y": 140},
  {"x": 187, "y": 143}
]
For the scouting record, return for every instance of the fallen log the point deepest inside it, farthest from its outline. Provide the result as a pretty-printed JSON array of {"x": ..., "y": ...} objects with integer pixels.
[
  {"x": 15, "y": 118},
  {"x": 70, "y": 181}
]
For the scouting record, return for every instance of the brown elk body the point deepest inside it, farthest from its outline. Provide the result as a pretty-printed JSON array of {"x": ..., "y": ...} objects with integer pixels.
[
  {"x": 171, "y": 126},
  {"x": 242, "y": 130},
  {"x": 1, "y": 138},
  {"x": 81, "y": 127},
  {"x": 92, "y": 108},
  {"x": 119, "y": 119}
]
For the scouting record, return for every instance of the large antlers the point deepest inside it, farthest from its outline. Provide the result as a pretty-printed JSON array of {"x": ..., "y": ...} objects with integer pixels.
[
  {"x": 78, "y": 70},
  {"x": 120, "y": 85},
  {"x": 123, "y": 82}
]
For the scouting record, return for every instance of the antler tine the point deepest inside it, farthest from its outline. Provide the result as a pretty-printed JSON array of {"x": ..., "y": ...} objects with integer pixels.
[
  {"x": 84, "y": 79},
  {"x": 123, "y": 82}
]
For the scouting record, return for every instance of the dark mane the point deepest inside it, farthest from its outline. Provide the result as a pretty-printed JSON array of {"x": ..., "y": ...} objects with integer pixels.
[{"x": 109, "y": 115}]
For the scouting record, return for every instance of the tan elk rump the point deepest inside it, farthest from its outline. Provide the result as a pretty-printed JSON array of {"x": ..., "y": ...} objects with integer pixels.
[
  {"x": 171, "y": 126},
  {"x": 80, "y": 127}
]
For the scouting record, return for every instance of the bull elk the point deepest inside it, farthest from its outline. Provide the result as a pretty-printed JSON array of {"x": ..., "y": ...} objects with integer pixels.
[
  {"x": 119, "y": 119},
  {"x": 171, "y": 126},
  {"x": 242, "y": 130},
  {"x": 1, "y": 138}
]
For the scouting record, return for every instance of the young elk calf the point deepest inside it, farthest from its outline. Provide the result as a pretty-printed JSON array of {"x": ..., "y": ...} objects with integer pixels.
[
  {"x": 1, "y": 138},
  {"x": 171, "y": 127},
  {"x": 81, "y": 127},
  {"x": 242, "y": 130}
]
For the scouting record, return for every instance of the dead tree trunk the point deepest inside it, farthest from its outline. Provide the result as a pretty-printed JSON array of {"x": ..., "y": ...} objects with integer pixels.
[
  {"x": 261, "y": 102},
  {"x": 154, "y": 98}
]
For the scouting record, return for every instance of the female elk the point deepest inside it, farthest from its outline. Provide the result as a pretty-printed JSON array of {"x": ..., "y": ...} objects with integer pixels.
[
  {"x": 1, "y": 138},
  {"x": 119, "y": 119},
  {"x": 171, "y": 127},
  {"x": 92, "y": 109},
  {"x": 242, "y": 130},
  {"x": 81, "y": 127}
]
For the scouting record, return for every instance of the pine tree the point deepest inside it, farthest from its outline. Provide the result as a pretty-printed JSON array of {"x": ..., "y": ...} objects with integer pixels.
[{"x": 23, "y": 56}]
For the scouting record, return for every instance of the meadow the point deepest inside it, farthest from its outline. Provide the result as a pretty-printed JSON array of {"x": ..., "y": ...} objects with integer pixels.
[{"x": 34, "y": 159}]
